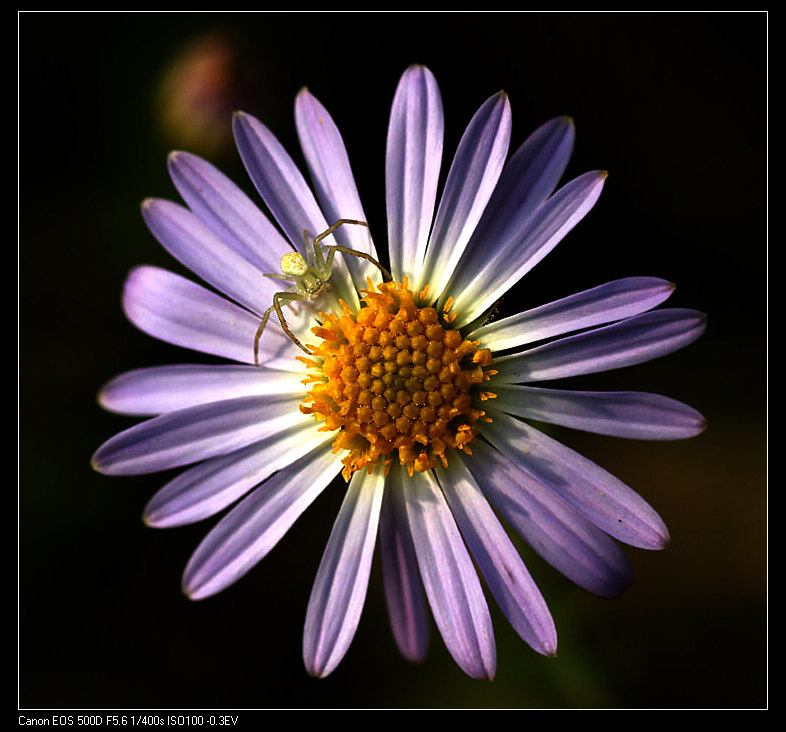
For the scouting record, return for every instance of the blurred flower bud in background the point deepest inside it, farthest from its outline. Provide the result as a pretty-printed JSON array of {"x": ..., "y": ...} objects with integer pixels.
[{"x": 206, "y": 81}]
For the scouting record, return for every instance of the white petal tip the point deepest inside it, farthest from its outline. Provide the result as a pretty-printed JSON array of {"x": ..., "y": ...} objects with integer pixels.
[
  {"x": 319, "y": 670},
  {"x": 194, "y": 593}
]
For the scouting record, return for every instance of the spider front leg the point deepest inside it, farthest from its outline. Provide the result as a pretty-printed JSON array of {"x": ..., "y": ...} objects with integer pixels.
[
  {"x": 277, "y": 299},
  {"x": 361, "y": 255},
  {"x": 335, "y": 226},
  {"x": 328, "y": 264}
]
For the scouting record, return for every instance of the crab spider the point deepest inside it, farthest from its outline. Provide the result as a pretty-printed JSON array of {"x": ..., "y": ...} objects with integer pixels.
[{"x": 310, "y": 278}]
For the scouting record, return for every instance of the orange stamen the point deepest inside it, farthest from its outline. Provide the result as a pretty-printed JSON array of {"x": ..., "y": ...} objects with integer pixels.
[{"x": 394, "y": 379}]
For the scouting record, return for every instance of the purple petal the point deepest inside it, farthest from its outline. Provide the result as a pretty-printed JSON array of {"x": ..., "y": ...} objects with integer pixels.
[
  {"x": 403, "y": 591},
  {"x": 196, "y": 433},
  {"x": 181, "y": 312},
  {"x": 507, "y": 577},
  {"x": 595, "y": 494},
  {"x": 528, "y": 179},
  {"x": 156, "y": 390},
  {"x": 526, "y": 182},
  {"x": 471, "y": 180},
  {"x": 629, "y": 342},
  {"x": 189, "y": 241},
  {"x": 449, "y": 578},
  {"x": 251, "y": 529},
  {"x": 279, "y": 182},
  {"x": 412, "y": 163},
  {"x": 631, "y": 414},
  {"x": 227, "y": 211},
  {"x": 285, "y": 191},
  {"x": 571, "y": 544},
  {"x": 210, "y": 486},
  {"x": 481, "y": 279},
  {"x": 333, "y": 182},
  {"x": 612, "y": 301},
  {"x": 342, "y": 578}
]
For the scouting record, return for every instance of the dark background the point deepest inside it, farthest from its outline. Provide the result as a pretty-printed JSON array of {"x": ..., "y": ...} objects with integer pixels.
[{"x": 672, "y": 104}]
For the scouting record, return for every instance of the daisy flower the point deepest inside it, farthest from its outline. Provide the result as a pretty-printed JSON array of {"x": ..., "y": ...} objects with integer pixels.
[{"x": 407, "y": 389}]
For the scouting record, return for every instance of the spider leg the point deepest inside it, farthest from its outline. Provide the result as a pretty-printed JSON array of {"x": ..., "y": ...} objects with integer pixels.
[
  {"x": 362, "y": 255},
  {"x": 277, "y": 300},
  {"x": 288, "y": 296},
  {"x": 317, "y": 252},
  {"x": 309, "y": 251},
  {"x": 259, "y": 333},
  {"x": 335, "y": 226}
]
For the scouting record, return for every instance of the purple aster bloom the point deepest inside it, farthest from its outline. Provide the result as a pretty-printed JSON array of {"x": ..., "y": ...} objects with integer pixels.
[{"x": 403, "y": 390}]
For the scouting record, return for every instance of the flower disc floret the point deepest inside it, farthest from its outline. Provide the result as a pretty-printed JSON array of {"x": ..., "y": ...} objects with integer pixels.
[{"x": 394, "y": 377}]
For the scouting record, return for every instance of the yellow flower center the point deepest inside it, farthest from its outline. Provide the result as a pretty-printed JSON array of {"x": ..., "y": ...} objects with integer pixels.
[{"x": 393, "y": 377}]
